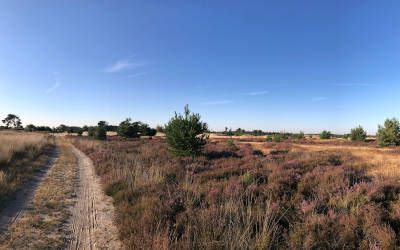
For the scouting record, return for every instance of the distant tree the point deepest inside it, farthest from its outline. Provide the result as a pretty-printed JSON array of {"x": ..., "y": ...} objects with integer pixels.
[
  {"x": 358, "y": 134},
  {"x": 325, "y": 135},
  {"x": 30, "y": 127},
  {"x": 101, "y": 130},
  {"x": 85, "y": 128},
  {"x": 12, "y": 121},
  {"x": 62, "y": 128},
  {"x": 128, "y": 129},
  {"x": 102, "y": 124},
  {"x": 185, "y": 134},
  {"x": 389, "y": 133},
  {"x": 80, "y": 132},
  {"x": 240, "y": 131},
  {"x": 44, "y": 129}
]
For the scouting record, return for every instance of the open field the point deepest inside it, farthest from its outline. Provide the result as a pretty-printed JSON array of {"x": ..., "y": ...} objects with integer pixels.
[
  {"x": 251, "y": 195},
  {"x": 240, "y": 193}
]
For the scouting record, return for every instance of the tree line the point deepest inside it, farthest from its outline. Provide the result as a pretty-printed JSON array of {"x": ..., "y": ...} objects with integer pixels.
[{"x": 186, "y": 133}]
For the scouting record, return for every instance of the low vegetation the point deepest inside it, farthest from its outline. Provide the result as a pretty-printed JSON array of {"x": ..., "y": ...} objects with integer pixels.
[
  {"x": 44, "y": 225},
  {"x": 20, "y": 157},
  {"x": 236, "y": 197}
]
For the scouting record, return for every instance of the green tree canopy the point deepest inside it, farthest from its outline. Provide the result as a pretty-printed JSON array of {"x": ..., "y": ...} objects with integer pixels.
[{"x": 185, "y": 134}]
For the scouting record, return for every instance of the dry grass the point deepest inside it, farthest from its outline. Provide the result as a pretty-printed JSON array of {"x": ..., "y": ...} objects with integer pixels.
[
  {"x": 241, "y": 197},
  {"x": 21, "y": 155},
  {"x": 14, "y": 143},
  {"x": 44, "y": 225}
]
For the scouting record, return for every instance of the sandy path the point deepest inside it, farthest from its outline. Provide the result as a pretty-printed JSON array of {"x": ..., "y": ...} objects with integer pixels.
[
  {"x": 92, "y": 216},
  {"x": 16, "y": 207}
]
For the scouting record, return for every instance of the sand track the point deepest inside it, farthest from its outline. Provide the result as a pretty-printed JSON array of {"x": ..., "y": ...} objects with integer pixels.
[
  {"x": 92, "y": 216},
  {"x": 20, "y": 204}
]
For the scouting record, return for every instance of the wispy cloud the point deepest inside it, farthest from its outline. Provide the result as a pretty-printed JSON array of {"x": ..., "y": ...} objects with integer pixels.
[
  {"x": 257, "y": 93},
  {"x": 318, "y": 98},
  {"x": 221, "y": 102},
  {"x": 124, "y": 64},
  {"x": 56, "y": 85}
]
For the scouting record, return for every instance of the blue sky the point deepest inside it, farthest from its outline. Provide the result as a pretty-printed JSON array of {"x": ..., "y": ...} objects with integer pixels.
[{"x": 271, "y": 65}]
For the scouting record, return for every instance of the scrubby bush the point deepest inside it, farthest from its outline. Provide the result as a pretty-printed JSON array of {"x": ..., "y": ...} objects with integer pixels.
[
  {"x": 325, "y": 135},
  {"x": 389, "y": 133},
  {"x": 128, "y": 129},
  {"x": 298, "y": 136},
  {"x": 358, "y": 134},
  {"x": 185, "y": 134},
  {"x": 101, "y": 131}
]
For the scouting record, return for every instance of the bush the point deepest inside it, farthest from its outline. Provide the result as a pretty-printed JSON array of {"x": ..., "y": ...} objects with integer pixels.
[
  {"x": 101, "y": 131},
  {"x": 389, "y": 134},
  {"x": 325, "y": 135},
  {"x": 91, "y": 132},
  {"x": 358, "y": 134},
  {"x": 128, "y": 129},
  {"x": 185, "y": 134},
  {"x": 298, "y": 136}
]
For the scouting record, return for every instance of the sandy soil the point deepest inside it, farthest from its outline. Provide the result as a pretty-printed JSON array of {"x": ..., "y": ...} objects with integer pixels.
[
  {"x": 92, "y": 216},
  {"x": 15, "y": 209}
]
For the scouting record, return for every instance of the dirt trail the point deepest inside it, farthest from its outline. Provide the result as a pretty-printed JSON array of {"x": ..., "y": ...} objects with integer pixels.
[
  {"x": 20, "y": 204},
  {"x": 92, "y": 216}
]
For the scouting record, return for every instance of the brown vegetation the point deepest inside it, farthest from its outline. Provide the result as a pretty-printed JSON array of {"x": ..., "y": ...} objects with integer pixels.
[
  {"x": 44, "y": 225},
  {"x": 21, "y": 155},
  {"x": 238, "y": 197}
]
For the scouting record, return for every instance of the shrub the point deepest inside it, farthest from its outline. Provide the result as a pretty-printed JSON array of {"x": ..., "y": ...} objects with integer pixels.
[
  {"x": 389, "y": 134},
  {"x": 325, "y": 135},
  {"x": 185, "y": 134},
  {"x": 128, "y": 129},
  {"x": 298, "y": 136},
  {"x": 358, "y": 134},
  {"x": 101, "y": 131},
  {"x": 91, "y": 132}
]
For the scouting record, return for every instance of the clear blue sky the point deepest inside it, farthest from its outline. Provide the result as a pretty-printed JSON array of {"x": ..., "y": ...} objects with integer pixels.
[{"x": 271, "y": 65}]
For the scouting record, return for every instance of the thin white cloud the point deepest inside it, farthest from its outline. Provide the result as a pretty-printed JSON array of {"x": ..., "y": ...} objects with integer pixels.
[
  {"x": 257, "y": 93},
  {"x": 318, "y": 98},
  {"x": 222, "y": 102},
  {"x": 122, "y": 65},
  {"x": 56, "y": 85}
]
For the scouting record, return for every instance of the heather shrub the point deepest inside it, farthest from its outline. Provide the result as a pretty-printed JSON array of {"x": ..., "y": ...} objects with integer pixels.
[
  {"x": 185, "y": 134},
  {"x": 290, "y": 199},
  {"x": 325, "y": 135},
  {"x": 358, "y": 134},
  {"x": 389, "y": 133}
]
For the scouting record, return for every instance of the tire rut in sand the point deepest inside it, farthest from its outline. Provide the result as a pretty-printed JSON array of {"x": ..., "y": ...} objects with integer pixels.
[{"x": 92, "y": 216}]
